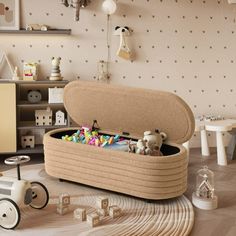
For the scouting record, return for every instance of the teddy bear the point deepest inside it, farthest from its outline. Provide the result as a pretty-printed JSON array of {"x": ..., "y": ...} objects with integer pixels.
[
  {"x": 56, "y": 72},
  {"x": 154, "y": 142},
  {"x": 140, "y": 147}
]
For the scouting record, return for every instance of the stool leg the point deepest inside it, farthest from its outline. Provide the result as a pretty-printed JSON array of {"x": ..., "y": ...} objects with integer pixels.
[
  {"x": 221, "y": 154},
  {"x": 204, "y": 143}
]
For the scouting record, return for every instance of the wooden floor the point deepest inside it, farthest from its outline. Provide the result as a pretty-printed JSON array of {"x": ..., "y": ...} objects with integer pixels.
[{"x": 219, "y": 222}]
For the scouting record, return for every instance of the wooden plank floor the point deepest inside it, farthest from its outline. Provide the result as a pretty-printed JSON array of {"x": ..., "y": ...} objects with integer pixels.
[{"x": 221, "y": 221}]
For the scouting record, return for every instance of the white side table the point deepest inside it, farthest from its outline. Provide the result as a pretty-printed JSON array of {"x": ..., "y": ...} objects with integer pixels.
[{"x": 219, "y": 127}]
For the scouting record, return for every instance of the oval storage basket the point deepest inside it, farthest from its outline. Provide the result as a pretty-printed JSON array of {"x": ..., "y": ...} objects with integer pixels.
[{"x": 148, "y": 177}]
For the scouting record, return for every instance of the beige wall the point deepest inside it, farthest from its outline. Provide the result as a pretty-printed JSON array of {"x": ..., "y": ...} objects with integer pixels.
[{"x": 187, "y": 47}]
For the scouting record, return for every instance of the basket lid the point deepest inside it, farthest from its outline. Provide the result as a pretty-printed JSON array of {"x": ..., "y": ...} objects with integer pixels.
[{"x": 129, "y": 110}]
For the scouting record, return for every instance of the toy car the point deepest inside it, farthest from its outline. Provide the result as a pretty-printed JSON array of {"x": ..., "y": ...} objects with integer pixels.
[
  {"x": 37, "y": 27},
  {"x": 15, "y": 193}
]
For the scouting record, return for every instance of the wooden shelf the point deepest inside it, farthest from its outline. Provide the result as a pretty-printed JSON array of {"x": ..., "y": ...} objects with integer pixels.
[
  {"x": 31, "y": 125},
  {"x": 40, "y": 104},
  {"x": 34, "y": 81},
  {"x": 51, "y": 31},
  {"x": 37, "y": 149}
]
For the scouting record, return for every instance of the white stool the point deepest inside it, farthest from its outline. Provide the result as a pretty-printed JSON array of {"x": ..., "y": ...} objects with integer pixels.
[{"x": 219, "y": 127}]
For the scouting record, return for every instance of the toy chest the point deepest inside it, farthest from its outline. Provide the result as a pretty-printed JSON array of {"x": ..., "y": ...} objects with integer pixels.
[{"x": 127, "y": 111}]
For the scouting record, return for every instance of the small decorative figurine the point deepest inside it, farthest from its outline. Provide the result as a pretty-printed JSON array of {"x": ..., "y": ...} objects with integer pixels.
[
  {"x": 131, "y": 147},
  {"x": 80, "y": 214},
  {"x": 77, "y": 4},
  {"x": 43, "y": 117},
  {"x": 15, "y": 74},
  {"x": 103, "y": 74},
  {"x": 204, "y": 197},
  {"x": 93, "y": 219},
  {"x": 60, "y": 118},
  {"x": 34, "y": 96},
  {"x": 37, "y": 27},
  {"x": 27, "y": 141},
  {"x": 55, "y": 72}
]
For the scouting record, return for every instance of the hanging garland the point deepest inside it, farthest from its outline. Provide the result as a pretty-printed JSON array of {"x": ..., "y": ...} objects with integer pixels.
[{"x": 77, "y": 4}]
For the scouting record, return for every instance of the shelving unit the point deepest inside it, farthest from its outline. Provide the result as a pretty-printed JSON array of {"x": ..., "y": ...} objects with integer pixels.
[
  {"x": 25, "y": 113},
  {"x": 50, "y": 31}
]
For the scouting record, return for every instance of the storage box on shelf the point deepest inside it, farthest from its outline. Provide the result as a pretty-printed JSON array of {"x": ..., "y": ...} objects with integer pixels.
[{"x": 29, "y": 97}]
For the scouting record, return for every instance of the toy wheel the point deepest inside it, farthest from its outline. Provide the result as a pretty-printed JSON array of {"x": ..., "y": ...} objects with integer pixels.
[
  {"x": 16, "y": 160},
  {"x": 9, "y": 214},
  {"x": 40, "y": 196}
]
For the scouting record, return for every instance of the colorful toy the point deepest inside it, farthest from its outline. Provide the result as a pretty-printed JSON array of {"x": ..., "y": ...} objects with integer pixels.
[
  {"x": 30, "y": 70},
  {"x": 114, "y": 211},
  {"x": 16, "y": 193},
  {"x": 56, "y": 72},
  {"x": 80, "y": 214},
  {"x": 93, "y": 219},
  {"x": 91, "y": 137}
]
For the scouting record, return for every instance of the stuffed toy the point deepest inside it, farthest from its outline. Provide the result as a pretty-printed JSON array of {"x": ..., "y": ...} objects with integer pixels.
[
  {"x": 154, "y": 142},
  {"x": 141, "y": 146},
  {"x": 77, "y": 4}
]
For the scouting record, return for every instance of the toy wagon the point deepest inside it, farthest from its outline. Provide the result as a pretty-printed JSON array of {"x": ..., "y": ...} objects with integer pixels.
[{"x": 128, "y": 112}]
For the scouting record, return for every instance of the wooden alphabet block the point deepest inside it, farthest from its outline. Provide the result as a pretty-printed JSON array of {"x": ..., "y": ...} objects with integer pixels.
[
  {"x": 80, "y": 214},
  {"x": 114, "y": 211},
  {"x": 93, "y": 219},
  {"x": 64, "y": 199},
  {"x": 62, "y": 210},
  {"x": 102, "y": 202},
  {"x": 103, "y": 212}
]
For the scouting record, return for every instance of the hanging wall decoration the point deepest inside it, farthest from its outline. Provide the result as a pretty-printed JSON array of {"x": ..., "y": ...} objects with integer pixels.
[
  {"x": 76, "y": 4},
  {"x": 9, "y": 15},
  {"x": 123, "y": 50}
]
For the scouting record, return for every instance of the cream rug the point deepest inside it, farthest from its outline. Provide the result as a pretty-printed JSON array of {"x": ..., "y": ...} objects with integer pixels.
[{"x": 168, "y": 217}]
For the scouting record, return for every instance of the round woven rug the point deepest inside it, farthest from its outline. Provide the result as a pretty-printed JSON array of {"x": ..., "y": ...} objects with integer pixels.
[{"x": 166, "y": 217}]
